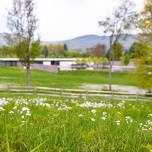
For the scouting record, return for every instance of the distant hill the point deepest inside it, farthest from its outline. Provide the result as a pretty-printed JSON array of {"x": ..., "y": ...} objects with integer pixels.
[
  {"x": 89, "y": 41},
  {"x": 2, "y": 40},
  {"x": 86, "y": 41}
]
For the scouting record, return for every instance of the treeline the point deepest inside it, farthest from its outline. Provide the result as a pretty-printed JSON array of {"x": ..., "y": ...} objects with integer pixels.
[{"x": 62, "y": 51}]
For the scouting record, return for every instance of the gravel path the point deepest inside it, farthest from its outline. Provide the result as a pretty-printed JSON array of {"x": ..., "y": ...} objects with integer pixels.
[{"x": 123, "y": 88}]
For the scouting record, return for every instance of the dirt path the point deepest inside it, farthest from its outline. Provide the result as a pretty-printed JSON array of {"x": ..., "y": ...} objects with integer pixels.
[{"x": 123, "y": 88}]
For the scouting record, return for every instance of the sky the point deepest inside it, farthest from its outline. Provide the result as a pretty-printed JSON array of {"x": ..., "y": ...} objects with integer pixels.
[{"x": 66, "y": 19}]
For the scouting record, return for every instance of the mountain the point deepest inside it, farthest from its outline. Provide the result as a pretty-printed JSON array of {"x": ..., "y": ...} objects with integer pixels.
[
  {"x": 89, "y": 41},
  {"x": 2, "y": 39}
]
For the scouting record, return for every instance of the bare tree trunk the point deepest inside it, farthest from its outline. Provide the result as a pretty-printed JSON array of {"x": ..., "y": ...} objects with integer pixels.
[
  {"x": 110, "y": 70},
  {"x": 110, "y": 64},
  {"x": 28, "y": 70}
]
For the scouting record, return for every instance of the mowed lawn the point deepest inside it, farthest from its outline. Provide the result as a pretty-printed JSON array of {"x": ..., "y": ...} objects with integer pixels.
[{"x": 64, "y": 79}]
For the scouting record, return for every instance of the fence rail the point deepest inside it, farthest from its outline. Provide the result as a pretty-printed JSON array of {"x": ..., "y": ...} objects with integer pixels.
[{"x": 75, "y": 92}]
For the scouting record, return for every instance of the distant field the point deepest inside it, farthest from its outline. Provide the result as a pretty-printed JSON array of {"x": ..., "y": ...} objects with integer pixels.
[{"x": 69, "y": 79}]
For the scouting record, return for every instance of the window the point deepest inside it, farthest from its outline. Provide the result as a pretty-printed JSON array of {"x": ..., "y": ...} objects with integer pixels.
[{"x": 55, "y": 62}]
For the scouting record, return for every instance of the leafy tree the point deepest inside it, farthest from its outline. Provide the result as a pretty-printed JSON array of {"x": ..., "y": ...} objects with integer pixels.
[
  {"x": 125, "y": 59},
  {"x": 98, "y": 51},
  {"x": 117, "y": 50},
  {"x": 137, "y": 50},
  {"x": 22, "y": 23},
  {"x": 117, "y": 25},
  {"x": 56, "y": 50},
  {"x": 7, "y": 51},
  {"x": 45, "y": 51},
  {"x": 65, "y": 47},
  {"x": 144, "y": 72},
  {"x": 144, "y": 63}
]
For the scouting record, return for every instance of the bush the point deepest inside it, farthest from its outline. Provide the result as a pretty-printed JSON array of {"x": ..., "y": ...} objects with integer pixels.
[{"x": 125, "y": 59}]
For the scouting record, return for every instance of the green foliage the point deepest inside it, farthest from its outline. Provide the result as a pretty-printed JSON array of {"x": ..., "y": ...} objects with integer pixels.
[
  {"x": 65, "y": 47},
  {"x": 117, "y": 51},
  {"x": 97, "y": 51},
  {"x": 7, "y": 51},
  {"x": 105, "y": 61},
  {"x": 45, "y": 51},
  {"x": 125, "y": 59},
  {"x": 144, "y": 72},
  {"x": 81, "y": 60},
  {"x": 138, "y": 49},
  {"x": 33, "y": 50},
  {"x": 144, "y": 63},
  {"x": 56, "y": 50},
  {"x": 97, "y": 60}
]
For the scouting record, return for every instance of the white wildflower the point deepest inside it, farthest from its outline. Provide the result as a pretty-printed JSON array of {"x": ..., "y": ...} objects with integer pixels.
[
  {"x": 121, "y": 105},
  {"x": 150, "y": 115},
  {"x": 140, "y": 125},
  {"x": 11, "y": 112},
  {"x": 128, "y": 119},
  {"x": 93, "y": 111},
  {"x": 64, "y": 108},
  {"x": 23, "y": 121},
  {"x": 28, "y": 114},
  {"x": 80, "y": 115},
  {"x": 104, "y": 113},
  {"x": 3, "y": 101},
  {"x": 149, "y": 122},
  {"x": 15, "y": 108},
  {"x": 93, "y": 119},
  {"x": 117, "y": 122},
  {"x": 103, "y": 118},
  {"x": 25, "y": 109},
  {"x": 2, "y": 109},
  {"x": 95, "y": 105}
]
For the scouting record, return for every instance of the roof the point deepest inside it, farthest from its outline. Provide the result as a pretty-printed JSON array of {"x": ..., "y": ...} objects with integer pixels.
[{"x": 40, "y": 59}]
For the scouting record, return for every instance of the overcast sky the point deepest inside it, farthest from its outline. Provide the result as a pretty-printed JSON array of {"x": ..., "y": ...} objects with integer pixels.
[{"x": 64, "y": 19}]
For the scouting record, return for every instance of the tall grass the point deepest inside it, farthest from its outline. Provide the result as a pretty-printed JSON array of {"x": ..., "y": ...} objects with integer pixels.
[{"x": 39, "y": 124}]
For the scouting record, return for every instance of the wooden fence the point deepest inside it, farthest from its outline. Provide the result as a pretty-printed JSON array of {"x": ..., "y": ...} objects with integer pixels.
[{"x": 75, "y": 93}]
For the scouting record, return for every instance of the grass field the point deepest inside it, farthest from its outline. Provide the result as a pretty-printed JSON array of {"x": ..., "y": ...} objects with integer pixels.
[
  {"x": 32, "y": 123},
  {"x": 38, "y": 124},
  {"x": 71, "y": 79}
]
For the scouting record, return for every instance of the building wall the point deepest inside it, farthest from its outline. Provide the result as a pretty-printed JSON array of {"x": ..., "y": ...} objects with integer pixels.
[
  {"x": 66, "y": 65},
  {"x": 46, "y": 63}
]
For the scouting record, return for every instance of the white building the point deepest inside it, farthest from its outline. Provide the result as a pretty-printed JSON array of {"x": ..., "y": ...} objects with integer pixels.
[{"x": 60, "y": 63}]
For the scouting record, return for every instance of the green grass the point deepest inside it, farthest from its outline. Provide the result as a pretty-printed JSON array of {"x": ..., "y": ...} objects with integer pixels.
[
  {"x": 69, "y": 79},
  {"x": 64, "y": 125}
]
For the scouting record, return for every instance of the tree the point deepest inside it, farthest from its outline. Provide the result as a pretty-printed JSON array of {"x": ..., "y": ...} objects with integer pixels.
[
  {"x": 116, "y": 26},
  {"x": 144, "y": 63},
  {"x": 22, "y": 23},
  {"x": 45, "y": 51},
  {"x": 117, "y": 50},
  {"x": 98, "y": 51},
  {"x": 65, "y": 47},
  {"x": 137, "y": 50},
  {"x": 125, "y": 59},
  {"x": 56, "y": 50}
]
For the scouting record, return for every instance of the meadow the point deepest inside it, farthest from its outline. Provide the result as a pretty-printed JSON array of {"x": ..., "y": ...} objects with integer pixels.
[
  {"x": 65, "y": 79},
  {"x": 34, "y": 123},
  {"x": 86, "y": 124}
]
